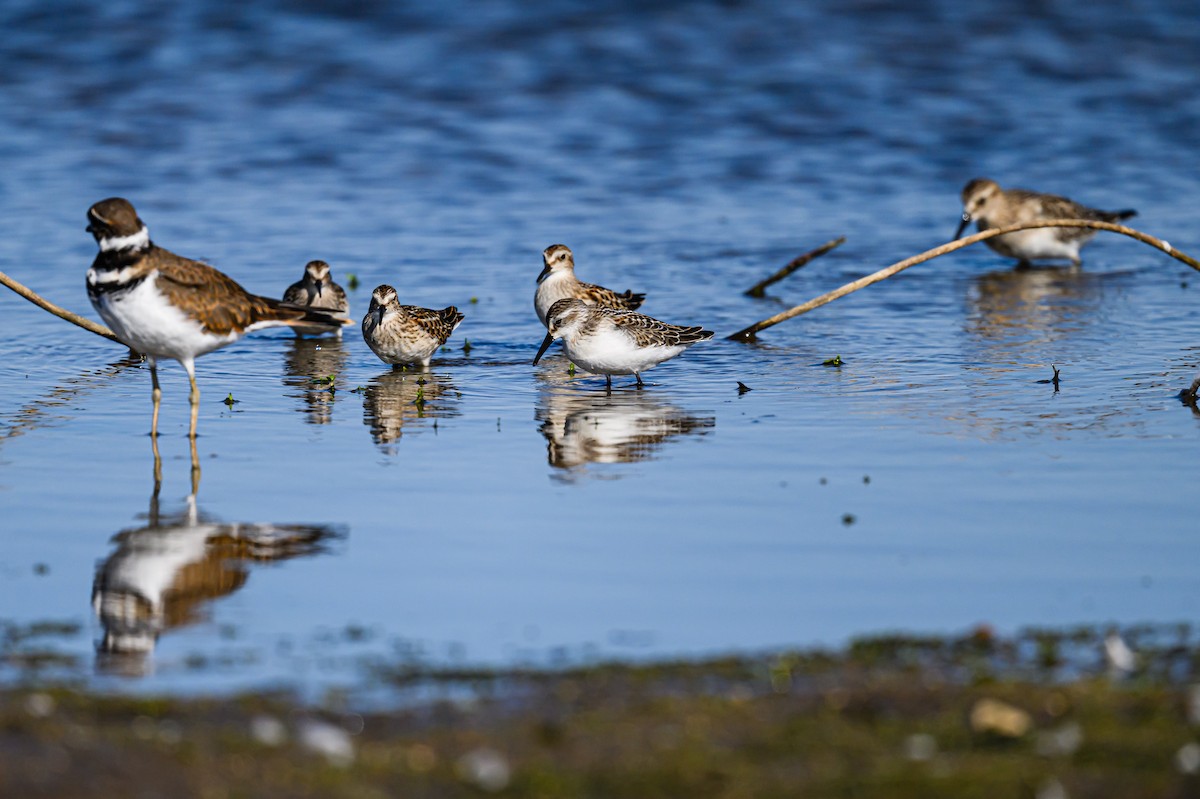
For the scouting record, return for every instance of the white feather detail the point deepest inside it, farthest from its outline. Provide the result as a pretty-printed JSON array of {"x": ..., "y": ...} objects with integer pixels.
[{"x": 134, "y": 241}]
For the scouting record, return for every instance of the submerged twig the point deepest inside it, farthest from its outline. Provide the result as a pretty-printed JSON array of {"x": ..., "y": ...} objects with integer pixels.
[
  {"x": 749, "y": 333},
  {"x": 758, "y": 288},
  {"x": 61, "y": 313}
]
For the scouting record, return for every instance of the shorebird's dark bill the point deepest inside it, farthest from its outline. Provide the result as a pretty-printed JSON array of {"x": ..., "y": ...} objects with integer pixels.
[
  {"x": 545, "y": 271},
  {"x": 546, "y": 342},
  {"x": 966, "y": 220}
]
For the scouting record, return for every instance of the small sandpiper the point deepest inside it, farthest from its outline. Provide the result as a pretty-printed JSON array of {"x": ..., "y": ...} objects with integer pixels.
[
  {"x": 558, "y": 282},
  {"x": 317, "y": 290},
  {"x": 405, "y": 334},
  {"x": 991, "y": 207},
  {"x": 612, "y": 341},
  {"x": 166, "y": 306}
]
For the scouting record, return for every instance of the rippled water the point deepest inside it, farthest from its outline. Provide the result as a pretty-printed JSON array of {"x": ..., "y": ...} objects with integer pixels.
[{"x": 490, "y": 511}]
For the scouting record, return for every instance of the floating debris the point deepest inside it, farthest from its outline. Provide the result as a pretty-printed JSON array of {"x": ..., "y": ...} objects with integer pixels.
[
  {"x": 834, "y": 361},
  {"x": 485, "y": 768},
  {"x": 743, "y": 388},
  {"x": 333, "y": 743},
  {"x": 999, "y": 718},
  {"x": 229, "y": 400}
]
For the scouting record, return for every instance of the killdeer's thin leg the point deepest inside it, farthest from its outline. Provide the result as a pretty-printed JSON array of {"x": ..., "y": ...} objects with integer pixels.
[
  {"x": 194, "y": 396},
  {"x": 155, "y": 394},
  {"x": 195, "y": 468},
  {"x": 639, "y": 380},
  {"x": 157, "y": 470}
]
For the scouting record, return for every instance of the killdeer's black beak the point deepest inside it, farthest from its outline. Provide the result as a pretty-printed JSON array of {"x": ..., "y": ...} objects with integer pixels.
[
  {"x": 545, "y": 271},
  {"x": 966, "y": 220},
  {"x": 546, "y": 342}
]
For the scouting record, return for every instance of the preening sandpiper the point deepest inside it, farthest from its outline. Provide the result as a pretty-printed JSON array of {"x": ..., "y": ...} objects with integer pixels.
[
  {"x": 558, "y": 282},
  {"x": 317, "y": 290},
  {"x": 405, "y": 334},
  {"x": 166, "y": 306},
  {"x": 611, "y": 341},
  {"x": 990, "y": 206}
]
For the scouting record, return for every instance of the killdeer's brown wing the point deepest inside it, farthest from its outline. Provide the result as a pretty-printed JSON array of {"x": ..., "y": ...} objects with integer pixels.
[
  {"x": 218, "y": 302},
  {"x": 607, "y": 298},
  {"x": 647, "y": 331},
  {"x": 438, "y": 324}
]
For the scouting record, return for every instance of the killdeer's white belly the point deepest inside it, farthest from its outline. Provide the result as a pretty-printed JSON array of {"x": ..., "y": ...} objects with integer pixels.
[{"x": 143, "y": 318}]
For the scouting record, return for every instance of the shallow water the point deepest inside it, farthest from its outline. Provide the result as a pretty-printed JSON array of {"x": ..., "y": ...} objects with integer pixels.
[{"x": 514, "y": 513}]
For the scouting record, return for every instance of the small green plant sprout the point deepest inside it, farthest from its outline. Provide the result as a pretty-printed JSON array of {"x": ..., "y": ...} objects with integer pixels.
[
  {"x": 420, "y": 400},
  {"x": 351, "y": 281},
  {"x": 327, "y": 380},
  {"x": 229, "y": 400},
  {"x": 834, "y": 361},
  {"x": 474, "y": 300},
  {"x": 570, "y": 369},
  {"x": 466, "y": 346}
]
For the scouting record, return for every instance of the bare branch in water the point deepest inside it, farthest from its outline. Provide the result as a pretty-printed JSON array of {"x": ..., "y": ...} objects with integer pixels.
[
  {"x": 61, "y": 313},
  {"x": 750, "y": 333},
  {"x": 758, "y": 289}
]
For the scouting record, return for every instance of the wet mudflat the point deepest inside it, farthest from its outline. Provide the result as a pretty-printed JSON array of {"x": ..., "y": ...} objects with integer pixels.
[{"x": 1044, "y": 713}]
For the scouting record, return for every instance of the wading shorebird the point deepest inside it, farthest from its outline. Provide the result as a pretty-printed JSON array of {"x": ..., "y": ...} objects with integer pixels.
[
  {"x": 317, "y": 290},
  {"x": 405, "y": 334},
  {"x": 558, "y": 282},
  {"x": 166, "y": 306},
  {"x": 611, "y": 341},
  {"x": 990, "y": 206}
]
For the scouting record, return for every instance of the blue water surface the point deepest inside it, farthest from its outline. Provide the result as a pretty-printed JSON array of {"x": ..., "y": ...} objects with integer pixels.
[{"x": 493, "y": 512}]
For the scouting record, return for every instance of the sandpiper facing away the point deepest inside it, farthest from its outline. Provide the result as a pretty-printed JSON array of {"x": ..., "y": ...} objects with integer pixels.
[
  {"x": 611, "y": 341},
  {"x": 991, "y": 207}
]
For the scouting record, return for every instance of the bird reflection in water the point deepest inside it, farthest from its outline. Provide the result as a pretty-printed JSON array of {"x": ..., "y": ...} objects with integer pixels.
[
  {"x": 622, "y": 427},
  {"x": 161, "y": 576},
  {"x": 1030, "y": 307},
  {"x": 312, "y": 368},
  {"x": 407, "y": 398}
]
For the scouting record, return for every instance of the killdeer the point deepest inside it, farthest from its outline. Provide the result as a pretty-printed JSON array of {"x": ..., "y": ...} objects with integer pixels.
[
  {"x": 611, "y": 341},
  {"x": 166, "y": 306},
  {"x": 405, "y": 334},
  {"x": 558, "y": 282},
  {"x": 317, "y": 290},
  {"x": 991, "y": 207}
]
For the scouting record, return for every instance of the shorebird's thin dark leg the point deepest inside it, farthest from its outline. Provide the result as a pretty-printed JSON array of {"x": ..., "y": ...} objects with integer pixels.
[
  {"x": 640, "y": 384},
  {"x": 608, "y": 383}
]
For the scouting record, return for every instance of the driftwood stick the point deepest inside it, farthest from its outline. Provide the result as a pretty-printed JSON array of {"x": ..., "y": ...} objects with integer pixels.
[
  {"x": 61, "y": 313},
  {"x": 758, "y": 288},
  {"x": 750, "y": 333}
]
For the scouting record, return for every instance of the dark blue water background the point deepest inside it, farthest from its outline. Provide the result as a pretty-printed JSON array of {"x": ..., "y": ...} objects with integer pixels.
[{"x": 685, "y": 150}]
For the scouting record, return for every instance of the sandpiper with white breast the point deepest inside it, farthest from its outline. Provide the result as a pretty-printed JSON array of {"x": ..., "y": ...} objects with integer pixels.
[
  {"x": 611, "y": 341},
  {"x": 405, "y": 334},
  {"x": 990, "y": 206},
  {"x": 166, "y": 306},
  {"x": 317, "y": 290},
  {"x": 558, "y": 282}
]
